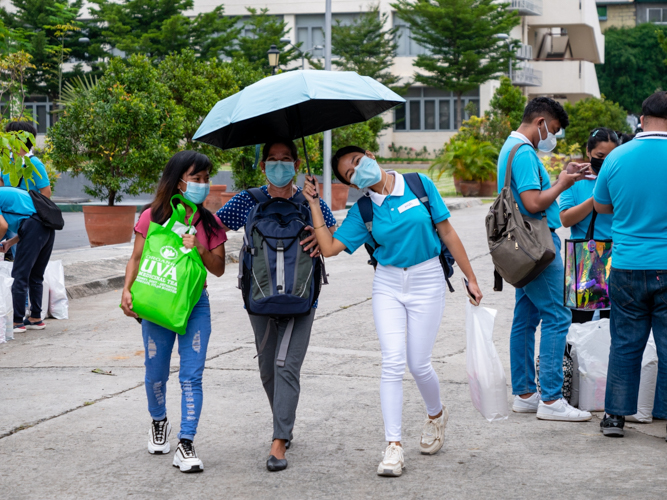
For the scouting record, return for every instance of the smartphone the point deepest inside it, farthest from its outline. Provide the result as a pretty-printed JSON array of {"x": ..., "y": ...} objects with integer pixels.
[
  {"x": 582, "y": 169},
  {"x": 470, "y": 296}
]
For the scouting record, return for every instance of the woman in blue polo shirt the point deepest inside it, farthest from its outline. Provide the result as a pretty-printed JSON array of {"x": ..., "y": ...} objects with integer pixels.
[
  {"x": 576, "y": 204},
  {"x": 409, "y": 286}
]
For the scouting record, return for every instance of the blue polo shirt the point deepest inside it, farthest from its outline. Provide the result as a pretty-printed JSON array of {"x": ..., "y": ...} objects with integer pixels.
[
  {"x": 15, "y": 205},
  {"x": 526, "y": 171},
  {"x": 36, "y": 182},
  {"x": 402, "y": 226},
  {"x": 633, "y": 179},
  {"x": 576, "y": 195}
]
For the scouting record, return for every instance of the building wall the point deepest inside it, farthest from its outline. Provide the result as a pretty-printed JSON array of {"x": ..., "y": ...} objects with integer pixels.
[
  {"x": 619, "y": 16},
  {"x": 642, "y": 11}
]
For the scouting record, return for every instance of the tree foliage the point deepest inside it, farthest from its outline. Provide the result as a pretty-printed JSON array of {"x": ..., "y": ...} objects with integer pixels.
[
  {"x": 365, "y": 46},
  {"x": 459, "y": 35},
  {"x": 591, "y": 113},
  {"x": 634, "y": 67},
  {"x": 508, "y": 101},
  {"x": 121, "y": 133}
]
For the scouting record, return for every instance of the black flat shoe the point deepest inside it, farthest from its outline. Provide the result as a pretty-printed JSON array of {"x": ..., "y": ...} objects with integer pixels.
[
  {"x": 274, "y": 464},
  {"x": 288, "y": 443}
]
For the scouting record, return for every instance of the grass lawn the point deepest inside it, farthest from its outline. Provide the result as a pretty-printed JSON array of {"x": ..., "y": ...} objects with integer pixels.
[{"x": 445, "y": 184}]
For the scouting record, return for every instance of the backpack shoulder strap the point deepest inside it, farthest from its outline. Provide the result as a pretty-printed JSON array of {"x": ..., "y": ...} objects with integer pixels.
[
  {"x": 299, "y": 198},
  {"x": 258, "y": 195},
  {"x": 366, "y": 211},
  {"x": 510, "y": 159},
  {"x": 416, "y": 185}
]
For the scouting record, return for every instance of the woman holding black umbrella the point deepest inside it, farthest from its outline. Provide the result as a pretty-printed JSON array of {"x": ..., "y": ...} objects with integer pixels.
[{"x": 409, "y": 285}]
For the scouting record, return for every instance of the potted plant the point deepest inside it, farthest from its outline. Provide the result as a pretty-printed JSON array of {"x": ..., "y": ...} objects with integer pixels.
[
  {"x": 470, "y": 160},
  {"x": 118, "y": 133}
]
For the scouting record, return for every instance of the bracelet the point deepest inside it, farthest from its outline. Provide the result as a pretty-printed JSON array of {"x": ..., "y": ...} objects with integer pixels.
[{"x": 320, "y": 227}]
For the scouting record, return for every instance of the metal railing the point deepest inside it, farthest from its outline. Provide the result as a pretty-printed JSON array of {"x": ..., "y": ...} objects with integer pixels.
[
  {"x": 527, "y": 76},
  {"x": 527, "y": 7}
]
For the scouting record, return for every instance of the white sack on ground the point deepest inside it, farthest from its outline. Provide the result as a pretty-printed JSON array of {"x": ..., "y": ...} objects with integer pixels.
[
  {"x": 6, "y": 309},
  {"x": 647, "y": 384},
  {"x": 592, "y": 342},
  {"x": 58, "y": 302},
  {"x": 486, "y": 376}
]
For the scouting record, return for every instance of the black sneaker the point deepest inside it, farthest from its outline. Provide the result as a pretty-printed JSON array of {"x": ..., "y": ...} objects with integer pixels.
[
  {"x": 186, "y": 458},
  {"x": 158, "y": 437},
  {"x": 612, "y": 425}
]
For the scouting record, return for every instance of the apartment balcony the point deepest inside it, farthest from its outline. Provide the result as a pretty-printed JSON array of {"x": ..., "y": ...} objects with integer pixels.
[
  {"x": 579, "y": 19},
  {"x": 525, "y": 75},
  {"x": 566, "y": 79},
  {"x": 524, "y": 52},
  {"x": 527, "y": 7}
]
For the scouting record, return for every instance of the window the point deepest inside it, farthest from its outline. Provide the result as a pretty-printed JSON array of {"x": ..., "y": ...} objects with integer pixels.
[
  {"x": 40, "y": 109},
  {"x": 310, "y": 30},
  {"x": 432, "y": 109},
  {"x": 657, "y": 16},
  {"x": 602, "y": 13},
  {"x": 406, "y": 45}
]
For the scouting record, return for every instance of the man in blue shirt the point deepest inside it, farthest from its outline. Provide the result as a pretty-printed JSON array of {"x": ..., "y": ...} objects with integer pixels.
[
  {"x": 638, "y": 277},
  {"x": 35, "y": 243},
  {"x": 542, "y": 298}
]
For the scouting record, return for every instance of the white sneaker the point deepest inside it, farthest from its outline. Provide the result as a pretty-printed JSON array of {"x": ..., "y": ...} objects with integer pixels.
[
  {"x": 561, "y": 410},
  {"x": 433, "y": 433},
  {"x": 158, "y": 437},
  {"x": 392, "y": 464},
  {"x": 528, "y": 405},
  {"x": 186, "y": 458}
]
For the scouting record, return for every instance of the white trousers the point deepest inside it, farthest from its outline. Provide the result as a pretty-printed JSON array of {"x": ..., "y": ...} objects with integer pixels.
[{"x": 412, "y": 297}]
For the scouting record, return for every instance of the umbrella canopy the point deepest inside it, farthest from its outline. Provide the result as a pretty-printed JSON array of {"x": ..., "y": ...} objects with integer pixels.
[{"x": 292, "y": 105}]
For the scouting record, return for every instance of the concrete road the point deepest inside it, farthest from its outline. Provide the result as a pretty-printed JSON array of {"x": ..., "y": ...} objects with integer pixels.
[{"x": 66, "y": 432}]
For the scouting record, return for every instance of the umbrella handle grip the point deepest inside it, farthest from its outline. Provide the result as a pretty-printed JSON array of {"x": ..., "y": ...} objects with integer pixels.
[{"x": 314, "y": 183}]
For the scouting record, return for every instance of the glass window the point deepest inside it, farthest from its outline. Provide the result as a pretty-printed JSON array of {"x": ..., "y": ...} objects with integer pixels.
[
  {"x": 399, "y": 117},
  {"x": 406, "y": 46},
  {"x": 429, "y": 115},
  {"x": 654, "y": 15},
  {"x": 429, "y": 92},
  {"x": 41, "y": 119},
  {"x": 602, "y": 13},
  {"x": 415, "y": 115},
  {"x": 445, "y": 114},
  {"x": 474, "y": 104}
]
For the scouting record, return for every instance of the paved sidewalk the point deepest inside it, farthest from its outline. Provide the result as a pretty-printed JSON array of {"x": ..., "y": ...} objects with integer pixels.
[{"x": 69, "y": 433}]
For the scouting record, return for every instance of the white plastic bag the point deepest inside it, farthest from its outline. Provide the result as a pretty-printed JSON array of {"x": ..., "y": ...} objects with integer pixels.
[
  {"x": 592, "y": 342},
  {"x": 6, "y": 309},
  {"x": 486, "y": 376},
  {"x": 647, "y": 383},
  {"x": 58, "y": 302}
]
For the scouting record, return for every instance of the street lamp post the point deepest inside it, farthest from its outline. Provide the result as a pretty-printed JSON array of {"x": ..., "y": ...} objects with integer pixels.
[
  {"x": 288, "y": 41},
  {"x": 505, "y": 37},
  {"x": 274, "y": 56},
  {"x": 326, "y": 142}
]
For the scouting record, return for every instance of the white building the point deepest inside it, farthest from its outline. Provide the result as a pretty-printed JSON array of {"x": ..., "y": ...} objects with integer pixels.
[{"x": 560, "y": 41}]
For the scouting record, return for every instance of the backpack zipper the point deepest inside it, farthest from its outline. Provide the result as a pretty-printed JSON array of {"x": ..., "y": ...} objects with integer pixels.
[
  {"x": 519, "y": 247},
  {"x": 280, "y": 267}
]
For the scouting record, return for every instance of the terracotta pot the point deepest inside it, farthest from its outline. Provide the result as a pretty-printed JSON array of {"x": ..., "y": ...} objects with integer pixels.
[
  {"x": 339, "y": 194},
  {"x": 109, "y": 225},
  {"x": 457, "y": 185},
  {"x": 489, "y": 187},
  {"x": 225, "y": 197},
  {"x": 213, "y": 201},
  {"x": 470, "y": 188}
]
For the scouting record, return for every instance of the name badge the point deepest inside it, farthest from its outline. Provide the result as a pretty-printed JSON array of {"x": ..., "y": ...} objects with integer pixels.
[{"x": 408, "y": 205}]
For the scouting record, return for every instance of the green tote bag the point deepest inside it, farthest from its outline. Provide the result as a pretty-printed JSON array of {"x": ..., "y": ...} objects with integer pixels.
[{"x": 171, "y": 277}]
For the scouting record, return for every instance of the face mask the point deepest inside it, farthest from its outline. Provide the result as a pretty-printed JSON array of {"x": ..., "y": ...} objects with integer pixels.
[
  {"x": 279, "y": 173},
  {"x": 596, "y": 164},
  {"x": 548, "y": 144},
  {"x": 196, "y": 192},
  {"x": 366, "y": 174}
]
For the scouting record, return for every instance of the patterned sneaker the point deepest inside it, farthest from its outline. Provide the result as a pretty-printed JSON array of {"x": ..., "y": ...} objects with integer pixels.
[
  {"x": 36, "y": 325},
  {"x": 158, "y": 437},
  {"x": 612, "y": 425},
  {"x": 186, "y": 458},
  {"x": 392, "y": 464},
  {"x": 433, "y": 433}
]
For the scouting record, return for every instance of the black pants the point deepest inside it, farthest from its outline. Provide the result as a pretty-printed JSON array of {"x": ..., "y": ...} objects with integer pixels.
[
  {"x": 586, "y": 316},
  {"x": 33, "y": 252}
]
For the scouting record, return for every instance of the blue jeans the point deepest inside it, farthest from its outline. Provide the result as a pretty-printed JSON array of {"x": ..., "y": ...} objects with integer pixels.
[
  {"x": 638, "y": 303},
  {"x": 158, "y": 343},
  {"x": 540, "y": 300}
]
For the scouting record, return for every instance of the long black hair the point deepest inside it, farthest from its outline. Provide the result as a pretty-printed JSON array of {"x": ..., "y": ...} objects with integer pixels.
[
  {"x": 601, "y": 134},
  {"x": 173, "y": 172}
]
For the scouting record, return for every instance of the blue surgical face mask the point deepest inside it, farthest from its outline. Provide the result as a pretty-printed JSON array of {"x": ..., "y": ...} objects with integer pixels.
[
  {"x": 548, "y": 144},
  {"x": 366, "y": 174},
  {"x": 196, "y": 192},
  {"x": 279, "y": 173}
]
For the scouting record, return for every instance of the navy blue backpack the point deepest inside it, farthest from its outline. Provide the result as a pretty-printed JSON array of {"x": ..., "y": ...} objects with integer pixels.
[
  {"x": 276, "y": 277},
  {"x": 416, "y": 185}
]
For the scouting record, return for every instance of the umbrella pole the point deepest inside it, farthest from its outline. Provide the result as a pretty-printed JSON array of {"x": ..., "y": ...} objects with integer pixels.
[{"x": 305, "y": 153}]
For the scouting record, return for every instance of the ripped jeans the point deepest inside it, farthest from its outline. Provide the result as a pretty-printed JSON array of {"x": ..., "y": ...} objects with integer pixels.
[{"x": 158, "y": 344}]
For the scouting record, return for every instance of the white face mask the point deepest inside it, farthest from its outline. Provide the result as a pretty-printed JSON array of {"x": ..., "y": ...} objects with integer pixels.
[{"x": 548, "y": 144}]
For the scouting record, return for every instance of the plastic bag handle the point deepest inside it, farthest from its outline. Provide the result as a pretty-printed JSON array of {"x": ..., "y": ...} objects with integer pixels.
[{"x": 176, "y": 212}]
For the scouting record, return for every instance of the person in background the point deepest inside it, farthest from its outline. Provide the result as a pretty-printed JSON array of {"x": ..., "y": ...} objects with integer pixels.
[
  {"x": 631, "y": 187},
  {"x": 576, "y": 204},
  {"x": 34, "y": 243},
  {"x": 541, "y": 300},
  {"x": 186, "y": 173},
  {"x": 280, "y": 163}
]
